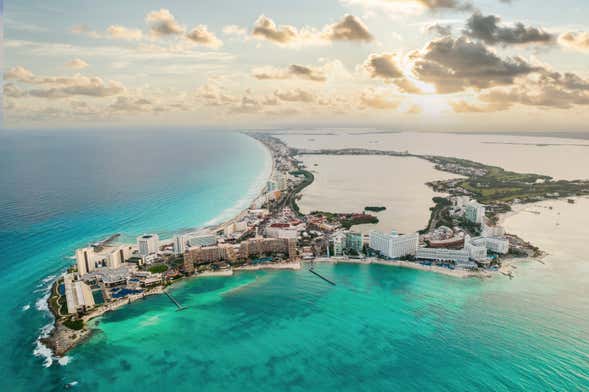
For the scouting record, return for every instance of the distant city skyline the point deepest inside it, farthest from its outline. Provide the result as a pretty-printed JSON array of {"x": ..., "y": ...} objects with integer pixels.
[{"x": 427, "y": 65}]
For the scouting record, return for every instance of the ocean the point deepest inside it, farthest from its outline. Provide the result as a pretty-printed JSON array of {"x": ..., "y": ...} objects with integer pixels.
[
  {"x": 60, "y": 190},
  {"x": 379, "y": 328}
]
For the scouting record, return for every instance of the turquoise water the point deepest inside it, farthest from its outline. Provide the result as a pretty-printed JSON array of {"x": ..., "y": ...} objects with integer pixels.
[
  {"x": 380, "y": 328},
  {"x": 63, "y": 189}
]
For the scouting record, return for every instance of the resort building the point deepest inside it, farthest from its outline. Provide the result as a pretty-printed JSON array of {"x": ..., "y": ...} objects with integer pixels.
[
  {"x": 78, "y": 294},
  {"x": 494, "y": 244},
  {"x": 148, "y": 244},
  {"x": 339, "y": 241},
  {"x": 474, "y": 212},
  {"x": 281, "y": 230},
  {"x": 354, "y": 241},
  {"x": 236, "y": 227},
  {"x": 442, "y": 254},
  {"x": 202, "y": 240},
  {"x": 254, "y": 247},
  {"x": 85, "y": 260},
  {"x": 492, "y": 231},
  {"x": 179, "y": 244},
  {"x": 393, "y": 245},
  {"x": 88, "y": 260}
]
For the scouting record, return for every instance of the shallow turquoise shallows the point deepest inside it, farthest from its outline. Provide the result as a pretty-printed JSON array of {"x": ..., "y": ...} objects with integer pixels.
[{"x": 378, "y": 329}]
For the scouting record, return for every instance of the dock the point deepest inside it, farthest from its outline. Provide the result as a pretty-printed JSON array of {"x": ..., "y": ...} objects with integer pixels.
[
  {"x": 322, "y": 277},
  {"x": 180, "y": 307}
]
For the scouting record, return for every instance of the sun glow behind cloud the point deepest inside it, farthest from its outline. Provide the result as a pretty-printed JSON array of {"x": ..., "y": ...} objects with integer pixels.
[{"x": 276, "y": 66}]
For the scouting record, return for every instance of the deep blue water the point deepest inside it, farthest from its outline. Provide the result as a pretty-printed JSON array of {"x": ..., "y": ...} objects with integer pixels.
[{"x": 63, "y": 189}]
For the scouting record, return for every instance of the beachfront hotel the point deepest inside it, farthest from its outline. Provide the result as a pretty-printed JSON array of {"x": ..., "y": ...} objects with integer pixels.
[
  {"x": 179, "y": 244},
  {"x": 148, "y": 244},
  {"x": 88, "y": 259},
  {"x": 393, "y": 245},
  {"x": 474, "y": 212}
]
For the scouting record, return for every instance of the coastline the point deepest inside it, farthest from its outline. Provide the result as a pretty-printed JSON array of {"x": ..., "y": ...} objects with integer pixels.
[
  {"x": 277, "y": 266},
  {"x": 410, "y": 265},
  {"x": 60, "y": 339}
]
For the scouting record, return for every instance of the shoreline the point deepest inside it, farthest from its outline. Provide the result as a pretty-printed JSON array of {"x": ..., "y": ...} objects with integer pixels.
[
  {"x": 61, "y": 339},
  {"x": 462, "y": 274}
]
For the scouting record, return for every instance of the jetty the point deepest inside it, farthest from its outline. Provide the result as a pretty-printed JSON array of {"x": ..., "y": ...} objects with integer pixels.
[
  {"x": 175, "y": 302},
  {"x": 311, "y": 270}
]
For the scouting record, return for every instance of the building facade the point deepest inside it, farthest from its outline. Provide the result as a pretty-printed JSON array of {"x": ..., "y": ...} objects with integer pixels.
[
  {"x": 355, "y": 241},
  {"x": 148, "y": 244},
  {"x": 474, "y": 212},
  {"x": 393, "y": 245},
  {"x": 179, "y": 244}
]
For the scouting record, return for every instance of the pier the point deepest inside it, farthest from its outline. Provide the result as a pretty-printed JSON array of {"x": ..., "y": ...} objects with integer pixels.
[
  {"x": 322, "y": 277},
  {"x": 180, "y": 307}
]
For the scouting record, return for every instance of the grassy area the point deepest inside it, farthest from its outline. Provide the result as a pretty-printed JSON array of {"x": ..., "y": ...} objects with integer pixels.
[
  {"x": 358, "y": 220},
  {"x": 497, "y": 185},
  {"x": 158, "y": 268},
  {"x": 76, "y": 324},
  {"x": 308, "y": 180}
]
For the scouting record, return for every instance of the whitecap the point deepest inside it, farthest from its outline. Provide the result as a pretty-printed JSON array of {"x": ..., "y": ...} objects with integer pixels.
[
  {"x": 45, "y": 352},
  {"x": 42, "y": 304},
  {"x": 49, "y": 278},
  {"x": 26, "y": 307},
  {"x": 63, "y": 361}
]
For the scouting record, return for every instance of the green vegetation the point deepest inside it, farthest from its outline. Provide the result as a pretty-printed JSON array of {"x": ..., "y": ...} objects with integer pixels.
[
  {"x": 358, "y": 220},
  {"x": 158, "y": 268},
  {"x": 497, "y": 185},
  {"x": 75, "y": 324},
  {"x": 374, "y": 209},
  {"x": 291, "y": 197},
  {"x": 347, "y": 220}
]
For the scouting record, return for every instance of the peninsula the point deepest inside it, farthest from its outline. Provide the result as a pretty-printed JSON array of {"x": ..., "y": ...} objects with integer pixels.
[{"x": 461, "y": 239}]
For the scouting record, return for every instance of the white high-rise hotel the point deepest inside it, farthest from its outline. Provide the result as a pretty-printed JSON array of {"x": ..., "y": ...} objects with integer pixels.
[
  {"x": 393, "y": 245},
  {"x": 148, "y": 244}
]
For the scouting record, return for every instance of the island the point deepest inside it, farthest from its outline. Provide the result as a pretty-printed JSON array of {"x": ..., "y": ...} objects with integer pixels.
[
  {"x": 462, "y": 238},
  {"x": 374, "y": 209}
]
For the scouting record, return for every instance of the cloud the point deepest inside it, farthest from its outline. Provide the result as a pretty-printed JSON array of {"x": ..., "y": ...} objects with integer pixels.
[
  {"x": 20, "y": 74},
  {"x": 454, "y": 65},
  {"x": 83, "y": 29},
  {"x": 202, "y": 36},
  {"x": 548, "y": 90},
  {"x": 377, "y": 100},
  {"x": 131, "y": 105},
  {"x": 112, "y": 32},
  {"x": 465, "y": 107},
  {"x": 489, "y": 30},
  {"x": 64, "y": 86},
  {"x": 294, "y": 95},
  {"x": 234, "y": 30},
  {"x": 77, "y": 64},
  {"x": 10, "y": 90},
  {"x": 438, "y": 28},
  {"x": 386, "y": 66},
  {"x": 265, "y": 28},
  {"x": 383, "y": 65},
  {"x": 577, "y": 40},
  {"x": 124, "y": 33},
  {"x": 293, "y": 71},
  {"x": 212, "y": 95},
  {"x": 162, "y": 23},
  {"x": 399, "y": 8},
  {"x": 349, "y": 28},
  {"x": 81, "y": 85}
]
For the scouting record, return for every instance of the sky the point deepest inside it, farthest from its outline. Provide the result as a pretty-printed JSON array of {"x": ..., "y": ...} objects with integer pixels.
[{"x": 427, "y": 65}]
